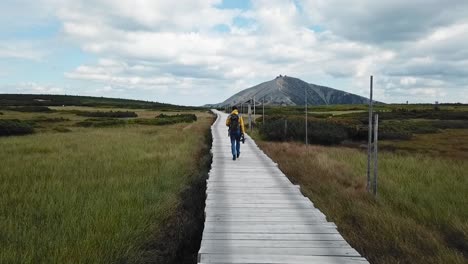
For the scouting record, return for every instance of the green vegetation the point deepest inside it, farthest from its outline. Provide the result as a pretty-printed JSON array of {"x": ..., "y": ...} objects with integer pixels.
[
  {"x": 67, "y": 100},
  {"x": 419, "y": 215},
  {"x": 450, "y": 144},
  {"x": 110, "y": 114},
  {"x": 332, "y": 127},
  {"x": 160, "y": 120},
  {"x": 163, "y": 119},
  {"x": 95, "y": 195},
  {"x": 101, "y": 122},
  {"x": 15, "y": 127},
  {"x": 43, "y": 109},
  {"x": 293, "y": 128}
]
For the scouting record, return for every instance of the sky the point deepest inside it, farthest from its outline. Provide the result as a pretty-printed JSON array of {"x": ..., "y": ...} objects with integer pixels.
[{"x": 194, "y": 52}]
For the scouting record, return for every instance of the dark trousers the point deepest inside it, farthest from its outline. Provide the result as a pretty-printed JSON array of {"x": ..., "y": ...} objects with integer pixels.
[{"x": 235, "y": 142}]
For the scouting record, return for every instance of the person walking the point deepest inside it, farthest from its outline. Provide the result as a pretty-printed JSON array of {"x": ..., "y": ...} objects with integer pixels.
[{"x": 236, "y": 131}]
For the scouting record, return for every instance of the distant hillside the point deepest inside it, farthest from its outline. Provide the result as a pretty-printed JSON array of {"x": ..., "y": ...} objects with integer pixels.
[
  {"x": 284, "y": 90},
  {"x": 69, "y": 100}
]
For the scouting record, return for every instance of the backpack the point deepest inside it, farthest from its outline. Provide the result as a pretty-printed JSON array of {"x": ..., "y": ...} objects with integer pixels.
[{"x": 234, "y": 125}]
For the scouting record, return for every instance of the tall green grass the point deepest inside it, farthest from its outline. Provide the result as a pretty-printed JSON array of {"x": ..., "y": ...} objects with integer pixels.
[
  {"x": 94, "y": 195},
  {"x": 421, "y": 211}
]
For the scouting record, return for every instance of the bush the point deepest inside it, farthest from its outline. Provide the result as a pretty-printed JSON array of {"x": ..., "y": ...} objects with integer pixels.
[
  {"x": 450, "y": 124},
  {"x": 319, "y": 131},
  {"x": 62, "y": 129},
  {"x": 15, "y": 127},
  {"x": 50, "y": 120},
  {"x": 404, "y": 114},
  {"x": 93, "y": 122},
  {"x": 111, "y": 114},
  {"x": 163, "y": 119},
  {"x": 41, "y": 109}
]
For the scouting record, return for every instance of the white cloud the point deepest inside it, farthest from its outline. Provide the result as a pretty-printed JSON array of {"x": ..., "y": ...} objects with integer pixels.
[
  {"x": 20, "y": 50},
  {"x": 172, "y": 47},
  {"x": 31, "y": 88}
]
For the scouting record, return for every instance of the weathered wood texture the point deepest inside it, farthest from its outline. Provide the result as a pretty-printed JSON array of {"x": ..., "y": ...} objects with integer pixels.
[{"x": 254, "y": 214}]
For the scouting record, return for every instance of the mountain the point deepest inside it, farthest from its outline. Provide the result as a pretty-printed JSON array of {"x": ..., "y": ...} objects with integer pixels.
[{"x": 285, "y": 90}]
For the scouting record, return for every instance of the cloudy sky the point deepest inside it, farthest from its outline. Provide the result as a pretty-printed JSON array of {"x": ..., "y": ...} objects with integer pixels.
[{"x": 195, "y": 52}]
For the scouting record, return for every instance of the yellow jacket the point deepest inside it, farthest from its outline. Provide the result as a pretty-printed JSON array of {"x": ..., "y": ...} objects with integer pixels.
[{"x": 241, "y": 121}]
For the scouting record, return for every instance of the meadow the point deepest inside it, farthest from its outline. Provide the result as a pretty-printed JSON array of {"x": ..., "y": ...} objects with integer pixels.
[
  {"x": 97, "y": 194},
  {"x": 421, "y": 209}
]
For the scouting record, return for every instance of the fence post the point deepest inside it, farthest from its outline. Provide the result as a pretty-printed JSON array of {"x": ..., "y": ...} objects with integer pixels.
[
  {"x": 306, "y": 134},
  {"x": 285, "y": 128},
  {"x": 263, "y": 110},
  {"x": 249, "y": 110},
  {"x": 376, "y": 150},
  {"x": 369, "y": 142}
]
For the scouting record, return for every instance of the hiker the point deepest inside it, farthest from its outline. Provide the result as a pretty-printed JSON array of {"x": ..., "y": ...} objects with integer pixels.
[{"x": 236, "y": 131}]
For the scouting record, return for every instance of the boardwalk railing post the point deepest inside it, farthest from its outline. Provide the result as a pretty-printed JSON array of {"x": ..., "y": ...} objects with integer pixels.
[
  {"x": 376, "y": 140},
  {"x": 306, "y": 134},
  {"x": 254, "y": 110},
  {"x": 369, "y": 142},
  {"x": 263, "y": 111},
  {"x": 249, "y": 110},
  {"x": 285, "y": 128}
]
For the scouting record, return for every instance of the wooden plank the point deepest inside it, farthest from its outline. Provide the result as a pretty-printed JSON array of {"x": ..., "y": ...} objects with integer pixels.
[
  {"x": 301, "y": 251},
  {"x": 278, "y": 259},
  {"x": 265, "y": 219},
  {"x": 264, "y": 236},
  {"x": 256, "y": 196},
  {"x": 319, "y": 228},
  {"x": 263, "y": 205},
  {"x": 207, "y": 243},
  {"x": 253, "y": 191},
  {"x": 240, "y": 201}
]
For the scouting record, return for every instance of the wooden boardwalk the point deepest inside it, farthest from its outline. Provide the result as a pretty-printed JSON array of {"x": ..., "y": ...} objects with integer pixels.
[{"x": 254, "y": 214}]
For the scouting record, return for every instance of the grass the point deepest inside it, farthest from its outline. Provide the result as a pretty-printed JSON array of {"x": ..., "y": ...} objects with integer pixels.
[
  {"x": 451, "y": 143},
  {"x": 93, "y": 195},
  {"x": 420, "y": 213}
]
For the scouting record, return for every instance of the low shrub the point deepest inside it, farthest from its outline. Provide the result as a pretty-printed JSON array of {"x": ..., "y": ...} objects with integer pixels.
[
  {"x": 111, "y": 114},
  {"x": 320, "y": 131},
  {"x": 62, "y": 129},
  {"x": 15, "y": 127},
  {"x": 50, "y": 119},
  {"x": 163, "y": 119},
  {"x": 32, "y": 108},
  {"x": 450, "y": 124},
  {"x": 405, "y": 114},
  {"x": 107, "y": 122}
]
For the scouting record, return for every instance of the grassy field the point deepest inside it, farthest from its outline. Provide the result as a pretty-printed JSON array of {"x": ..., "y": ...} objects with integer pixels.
[
  {"x": 92, "y": 195},
  {"x": 450, "y": 143},
  {"x": 421, "y": 211}
]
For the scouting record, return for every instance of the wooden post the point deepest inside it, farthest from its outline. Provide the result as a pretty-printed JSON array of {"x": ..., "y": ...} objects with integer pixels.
[
  {"x": 263, "y": 110},
  {"x": 376, "y": 140},
  {"x": 369, "y": 141},
  {"x": 285, "y": 128},
  {"x": 306, "y": 134},
  {"x": 249, "y": 110},
  {"x": 254, "y": 110}
]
